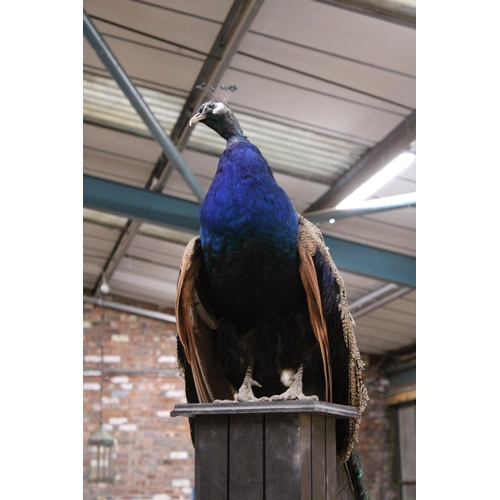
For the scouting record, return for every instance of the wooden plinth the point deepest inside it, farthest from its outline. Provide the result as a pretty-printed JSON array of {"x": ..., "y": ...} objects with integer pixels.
[{"x": 265, "y": 450}]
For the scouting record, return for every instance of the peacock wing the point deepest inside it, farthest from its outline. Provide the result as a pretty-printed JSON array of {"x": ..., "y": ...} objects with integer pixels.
[
  {"x": 333, "y": 327},
  {"x": 195, "y": 325}
]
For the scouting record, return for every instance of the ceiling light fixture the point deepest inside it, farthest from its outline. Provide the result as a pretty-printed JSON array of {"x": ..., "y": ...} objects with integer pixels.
[{"x": 377, "y": 181}]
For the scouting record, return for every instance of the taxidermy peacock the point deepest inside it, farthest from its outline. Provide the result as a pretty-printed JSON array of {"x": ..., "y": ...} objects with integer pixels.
[{"x": 260, "y": 286}]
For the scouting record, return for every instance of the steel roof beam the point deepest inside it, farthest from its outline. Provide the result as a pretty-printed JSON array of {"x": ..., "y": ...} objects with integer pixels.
[
  {"x": 139, "y": 204},
  {"x": 374, "y": 160},
  {"x": 403, "y": 12},
  {"x": 166, "y": 210},
  {"x": 370, "y": 261},
  {"x": 118, "y": 73}
]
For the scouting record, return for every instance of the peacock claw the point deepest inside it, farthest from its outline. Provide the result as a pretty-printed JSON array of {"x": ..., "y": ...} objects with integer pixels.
[
  {"x": 245, "y": 393},
  {"x": 295, "y": 390},
  {"x": 289, "y": 395}
]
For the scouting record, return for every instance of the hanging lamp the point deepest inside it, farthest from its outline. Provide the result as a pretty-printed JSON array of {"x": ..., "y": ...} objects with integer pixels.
[
  {"x": 101, "y": 443},
  {"x": 100, "y": 456}
]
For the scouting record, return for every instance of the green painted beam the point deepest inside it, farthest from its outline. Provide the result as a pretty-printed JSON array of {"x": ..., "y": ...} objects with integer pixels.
[
  {"x": 150, "y": 206},
  {"x": 371, "y": 261},
  {"x": 137, "y": 203}
]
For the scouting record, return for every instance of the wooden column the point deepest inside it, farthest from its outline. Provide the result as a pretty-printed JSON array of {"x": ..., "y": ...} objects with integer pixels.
[{"x": 265, "y": 450}]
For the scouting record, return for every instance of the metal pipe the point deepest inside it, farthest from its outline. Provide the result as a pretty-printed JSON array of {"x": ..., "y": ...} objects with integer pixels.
[
  {"x": 131, "y": 309},
  {"x": 369, "y": 207},
  {"x": 377, "y": 298},
  {"x": 89, "y": 372},
  {"x": 372, "y": 296},
  {"x": 128, "y": 88}
]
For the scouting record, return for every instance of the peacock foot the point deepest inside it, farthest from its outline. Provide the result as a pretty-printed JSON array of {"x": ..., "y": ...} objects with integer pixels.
[
  {"x": 245, "y": 393},
  {"x": 295, "y": 389}
]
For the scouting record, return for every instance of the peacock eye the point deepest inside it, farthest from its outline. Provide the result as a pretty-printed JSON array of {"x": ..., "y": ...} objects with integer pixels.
[{"x": 211, "y": 105}]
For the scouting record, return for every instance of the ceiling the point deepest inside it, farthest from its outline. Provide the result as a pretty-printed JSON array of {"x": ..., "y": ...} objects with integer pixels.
[{"x": 326, "y": 90}]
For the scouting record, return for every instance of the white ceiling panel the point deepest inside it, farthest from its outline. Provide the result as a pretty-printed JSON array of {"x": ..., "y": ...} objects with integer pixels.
[
  {"x": 339, "y": 31},
  {"x": 105, "y": 139},
  {"x": 187, "y": 30},
  {"x": 156, "y": 251},
  {"x": 369, "y": 343},
  {"x": 347, "y": 73},
  {"x": 111, "y": 165},
  {"x": 405, "y": 304},
  {"x": 134, "y": 62},
  {"x": 336, "y": 117},
  {"x": 154, "y": 283},
  {"x": 98, "y": 243},
  {"x": 301, "y": 191},
  {"x": 405, "y": 218},
  {"x": 215, "y": 11},
  {"x": 98, "y": 238},
  {"x": 143, "y": 290},
  {"x": 382, "y": 320},
  {"x": 178, "y": 187}
]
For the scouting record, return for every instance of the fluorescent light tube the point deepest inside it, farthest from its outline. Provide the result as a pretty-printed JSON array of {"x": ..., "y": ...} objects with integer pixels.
[{"x": 377, "y": 181}]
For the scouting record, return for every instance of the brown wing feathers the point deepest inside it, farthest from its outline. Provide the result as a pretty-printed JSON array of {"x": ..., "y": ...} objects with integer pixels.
[
  {"x": 194, "y": 325},
  {"x": 313, "y": 294}
]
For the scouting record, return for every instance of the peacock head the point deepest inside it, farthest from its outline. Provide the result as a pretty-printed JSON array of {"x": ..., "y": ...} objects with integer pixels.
[
  {"x": 216, "y": 114},
  {"x": 211, "y": 111}
]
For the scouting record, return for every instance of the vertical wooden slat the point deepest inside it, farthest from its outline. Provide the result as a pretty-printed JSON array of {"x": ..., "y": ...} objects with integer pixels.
[
  {"x": 246, "y": 457},
  {"x": 331, "y": 459},
  {"x": 211, "y": 465},
  {"x": 306, "y": 462},
  {"x": 282, "y": 457},
  {"x": 318, "y": 456}
]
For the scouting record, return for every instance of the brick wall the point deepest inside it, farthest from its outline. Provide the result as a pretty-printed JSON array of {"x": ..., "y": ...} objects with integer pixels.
[
  {"x": 154, "y": 455},
  {"x": 378, "y": 438}
]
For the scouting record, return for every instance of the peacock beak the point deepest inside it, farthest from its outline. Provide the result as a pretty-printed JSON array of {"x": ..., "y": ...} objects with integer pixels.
[{"x": 197, "y": 118}]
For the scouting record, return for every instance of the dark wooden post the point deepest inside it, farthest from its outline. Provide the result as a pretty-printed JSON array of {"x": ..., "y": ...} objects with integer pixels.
[{"x": 265, "y": 450}]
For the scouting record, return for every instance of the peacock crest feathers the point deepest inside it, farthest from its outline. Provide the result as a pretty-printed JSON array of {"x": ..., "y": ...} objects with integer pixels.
[{"x": 222, "y": 94}]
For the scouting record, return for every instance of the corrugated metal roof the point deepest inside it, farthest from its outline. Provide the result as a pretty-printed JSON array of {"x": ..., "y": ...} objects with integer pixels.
[{"x": 288, "y": 149}]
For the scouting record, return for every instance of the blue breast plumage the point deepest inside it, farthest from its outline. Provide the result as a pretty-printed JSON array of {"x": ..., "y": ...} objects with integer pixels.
[{"x": 249, "y": 238}]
